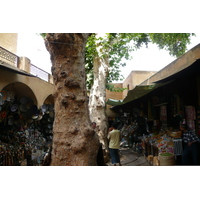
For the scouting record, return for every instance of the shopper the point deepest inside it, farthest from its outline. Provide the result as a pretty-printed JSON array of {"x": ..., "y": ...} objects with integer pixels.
[
  {"x": 190, "y": 146},
  {"x": 114, "y": 142}
]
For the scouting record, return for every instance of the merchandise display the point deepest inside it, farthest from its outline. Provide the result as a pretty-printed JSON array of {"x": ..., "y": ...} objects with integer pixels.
[
  {"x": 164, "y": 146},
  {"x": 25, "y": 130}
]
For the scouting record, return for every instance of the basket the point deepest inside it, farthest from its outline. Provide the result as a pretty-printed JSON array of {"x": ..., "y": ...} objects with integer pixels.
[{"x": 166, "y": 159}]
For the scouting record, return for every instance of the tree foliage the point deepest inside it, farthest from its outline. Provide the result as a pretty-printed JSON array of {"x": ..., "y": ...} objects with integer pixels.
[
  {"x": 118, "y": 47},
  {"x": 112, "y": 88},
  {"x": 174, "y": 43}
]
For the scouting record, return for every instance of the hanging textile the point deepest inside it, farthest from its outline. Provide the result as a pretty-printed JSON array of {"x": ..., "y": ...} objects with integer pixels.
[
  {"x": 163, "y": 113},
  {"x": 190, "y": 116}
]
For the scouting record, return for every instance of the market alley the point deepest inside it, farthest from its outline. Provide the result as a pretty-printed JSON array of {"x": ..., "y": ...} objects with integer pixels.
[{"x": 129, "y": 157}]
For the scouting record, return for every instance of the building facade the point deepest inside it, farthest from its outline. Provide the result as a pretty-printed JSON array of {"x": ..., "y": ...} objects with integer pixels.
[
  {"x": 26, "y": 107},
  {"x": 134, "y": 78},
  {"x": 9, "y": 41},
  {"x": 171, "y": 96}
]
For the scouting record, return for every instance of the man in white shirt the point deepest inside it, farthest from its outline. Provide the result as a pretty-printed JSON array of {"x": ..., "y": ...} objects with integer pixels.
[{"x": 114, "y": 143}]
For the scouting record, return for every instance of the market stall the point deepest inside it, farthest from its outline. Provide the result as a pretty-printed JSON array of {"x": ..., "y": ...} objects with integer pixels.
[
  {"x": 25, "y": 130},
  {"x": 162, "y": 148}
]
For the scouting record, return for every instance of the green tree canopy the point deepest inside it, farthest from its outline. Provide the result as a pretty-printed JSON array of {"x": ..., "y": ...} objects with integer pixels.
[{"x": 118, "y": 47}]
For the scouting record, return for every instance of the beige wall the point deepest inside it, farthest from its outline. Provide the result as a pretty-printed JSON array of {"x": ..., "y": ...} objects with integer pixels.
[
  {"x": 135, "y": 78},
  {"x": 25, "y": 64},
  {"x": 114, "y": 95},
  {"x": 9, "y": 41}
]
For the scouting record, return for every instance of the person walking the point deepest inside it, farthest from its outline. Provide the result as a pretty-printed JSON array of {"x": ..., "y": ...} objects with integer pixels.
[
  {"x": 190, "y": 146},
  {"x": 114, "y": 143}
]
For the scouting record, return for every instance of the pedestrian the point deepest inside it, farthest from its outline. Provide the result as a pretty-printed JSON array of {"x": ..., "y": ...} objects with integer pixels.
[
  {"x": 190, "y": 146},
  {"x": 114, "y": 143}
]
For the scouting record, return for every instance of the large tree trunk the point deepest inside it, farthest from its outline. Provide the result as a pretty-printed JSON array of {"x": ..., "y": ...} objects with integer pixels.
[
  {"x": 97, "y": 101},
  {"x": 74, "y": 141}
]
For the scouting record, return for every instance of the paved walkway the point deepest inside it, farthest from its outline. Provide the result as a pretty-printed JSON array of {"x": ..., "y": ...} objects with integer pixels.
[{"x": 129, "y": 157}]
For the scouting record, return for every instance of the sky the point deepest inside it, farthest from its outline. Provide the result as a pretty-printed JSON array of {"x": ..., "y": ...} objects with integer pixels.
[
  {"x": 153, "y": 59},
  {"x": 31, "y": 45}
]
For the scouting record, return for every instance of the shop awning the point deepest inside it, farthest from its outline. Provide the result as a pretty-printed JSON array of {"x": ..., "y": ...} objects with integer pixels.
[
  {"x": 136, "y": 93},
  {"x": 113, "y": 102},
  {"x": 139, "y": 91},
  {"x": 142, "y": 90}
]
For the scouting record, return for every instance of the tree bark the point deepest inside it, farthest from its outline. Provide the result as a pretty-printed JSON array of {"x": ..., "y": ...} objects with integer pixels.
[
  {"x": 97, "y": 101},
  {"x": 74, "y": 141}
]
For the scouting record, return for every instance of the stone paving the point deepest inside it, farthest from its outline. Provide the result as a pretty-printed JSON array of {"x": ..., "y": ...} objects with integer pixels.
[{"x": 129, "y": 157}]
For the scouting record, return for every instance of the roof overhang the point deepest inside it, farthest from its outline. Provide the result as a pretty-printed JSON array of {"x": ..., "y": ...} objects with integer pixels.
[
  {"x": 136, "y": 93},
  {"x": 8, "y": 67},
  {"x": 194, "y": 68}
]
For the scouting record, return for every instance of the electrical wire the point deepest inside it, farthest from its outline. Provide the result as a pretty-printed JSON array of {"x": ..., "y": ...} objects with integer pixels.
[{"x": 65, "y": 43}]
